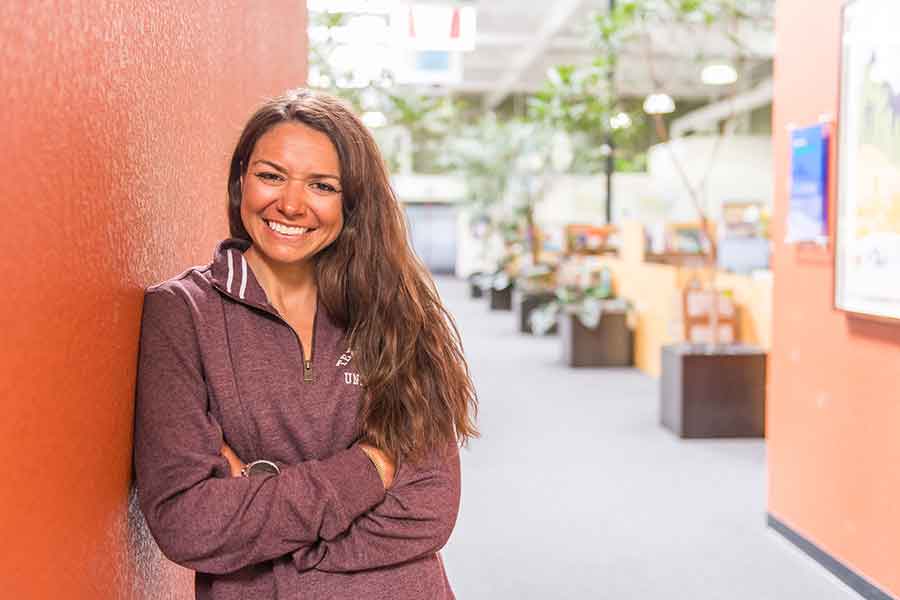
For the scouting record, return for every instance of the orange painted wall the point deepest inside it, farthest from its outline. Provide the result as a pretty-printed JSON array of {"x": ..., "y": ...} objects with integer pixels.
[
  {"x": 117, "y": 121},
  {"x": 834, "y": 389}
]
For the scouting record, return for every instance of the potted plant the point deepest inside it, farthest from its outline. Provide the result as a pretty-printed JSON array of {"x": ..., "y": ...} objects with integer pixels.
[
  {"x": 596, "y": 328},
  {"x": 536, "y": 289},
  {"x": 501, "y": 283}
]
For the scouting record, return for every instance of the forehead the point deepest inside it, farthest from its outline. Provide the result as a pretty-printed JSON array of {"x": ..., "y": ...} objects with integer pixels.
[{"x": 297, "y": 146}]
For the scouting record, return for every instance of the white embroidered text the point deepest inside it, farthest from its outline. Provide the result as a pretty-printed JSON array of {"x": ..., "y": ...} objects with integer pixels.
[{"x": 344, "y": 360}]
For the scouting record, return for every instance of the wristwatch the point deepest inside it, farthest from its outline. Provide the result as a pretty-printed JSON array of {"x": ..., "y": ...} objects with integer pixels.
[{"x": 260, "y": 467}]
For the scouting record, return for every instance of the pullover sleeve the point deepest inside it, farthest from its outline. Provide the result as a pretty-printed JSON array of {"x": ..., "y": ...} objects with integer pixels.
[
  {"x": 201, "y": 517},
  {"x": 415, "y": 519}
]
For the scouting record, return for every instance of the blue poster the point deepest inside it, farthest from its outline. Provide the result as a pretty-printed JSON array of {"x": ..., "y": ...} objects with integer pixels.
[{"x": 808, "y": 200}]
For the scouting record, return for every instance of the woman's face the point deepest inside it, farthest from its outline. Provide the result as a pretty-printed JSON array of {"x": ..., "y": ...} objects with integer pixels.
[{"x": 291, "y": 194}]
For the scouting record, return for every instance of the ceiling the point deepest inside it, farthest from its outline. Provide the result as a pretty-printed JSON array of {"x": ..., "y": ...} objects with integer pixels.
[{"x": 517, "y": 41}]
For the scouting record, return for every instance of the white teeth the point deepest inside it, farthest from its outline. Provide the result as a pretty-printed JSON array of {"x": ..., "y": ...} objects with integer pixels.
[{"x": 285, "y": 230}]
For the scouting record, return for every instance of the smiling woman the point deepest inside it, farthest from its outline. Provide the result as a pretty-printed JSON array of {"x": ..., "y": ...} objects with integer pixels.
[
  {"x": 291, "y": 199},
  {"x": 301, "y": 399}
]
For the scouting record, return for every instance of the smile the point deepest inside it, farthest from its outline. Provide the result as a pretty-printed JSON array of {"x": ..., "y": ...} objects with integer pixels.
[{"x": 286, "y": 230}]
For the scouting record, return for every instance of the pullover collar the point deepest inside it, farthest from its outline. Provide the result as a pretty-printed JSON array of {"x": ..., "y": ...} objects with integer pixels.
[{"x": 233, "y": 276}]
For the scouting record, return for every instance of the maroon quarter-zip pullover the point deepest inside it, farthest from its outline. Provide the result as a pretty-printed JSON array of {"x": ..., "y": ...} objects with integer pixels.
[{"x": 219, "y": 365}]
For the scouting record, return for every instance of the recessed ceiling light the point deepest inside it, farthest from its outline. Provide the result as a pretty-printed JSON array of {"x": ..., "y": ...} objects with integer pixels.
[
  {"x": 659, "y": 104},
  {"x": 718, "y": 75}
]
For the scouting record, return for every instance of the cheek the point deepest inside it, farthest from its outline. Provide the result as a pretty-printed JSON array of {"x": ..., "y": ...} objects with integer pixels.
[
  {"x": 333, "y": 212},
  {"x": 256, "y": 196}
]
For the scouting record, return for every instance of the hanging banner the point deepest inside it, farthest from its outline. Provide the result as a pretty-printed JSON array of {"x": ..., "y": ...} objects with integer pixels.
[{"x": 434, "y": 27}]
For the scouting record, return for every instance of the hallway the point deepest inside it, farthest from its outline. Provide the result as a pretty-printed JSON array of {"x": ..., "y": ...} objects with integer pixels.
[{"x": 575, "y": 492}]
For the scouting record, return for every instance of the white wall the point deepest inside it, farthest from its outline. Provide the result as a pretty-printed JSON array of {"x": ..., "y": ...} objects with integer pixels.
[
  {"x": 739, "y": 170},
  {"x": 428, "y": 188},
  {"x": 582, "y": 199}
]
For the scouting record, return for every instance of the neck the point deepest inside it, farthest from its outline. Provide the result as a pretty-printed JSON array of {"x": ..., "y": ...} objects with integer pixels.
[{"x": 285, "y": 284}]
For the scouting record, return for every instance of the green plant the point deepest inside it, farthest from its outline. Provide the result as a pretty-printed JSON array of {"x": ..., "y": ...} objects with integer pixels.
[
  {"x": 587, "y": 304},
  {"x": 575, "y": 100},
  {"x": 429, "y": 121},
  {"x": 488, "y": 155}
]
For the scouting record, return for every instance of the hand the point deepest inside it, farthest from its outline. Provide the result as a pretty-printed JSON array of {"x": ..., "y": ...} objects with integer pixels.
[
  {"x": 385, "y": 466},
  {"x": 234, "y": 462}
]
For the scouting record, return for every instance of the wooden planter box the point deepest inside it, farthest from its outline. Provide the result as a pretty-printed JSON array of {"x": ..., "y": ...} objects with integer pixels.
[
  {"x": 608, "y": 345},
  {"x": 712, "y": 394},
  {"x": 501, "y": 299},
  {"x": 524, "y": 303}
]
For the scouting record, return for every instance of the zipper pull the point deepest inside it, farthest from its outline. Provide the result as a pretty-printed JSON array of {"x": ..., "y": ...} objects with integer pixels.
[{"x": 307, "y": 371}]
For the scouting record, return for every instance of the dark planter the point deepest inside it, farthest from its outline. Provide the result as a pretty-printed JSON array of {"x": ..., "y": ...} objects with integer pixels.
[
  {"x": 475, "y": 290},
  {"x": 713, "y": 394},
  {"x": 524, "y": 303},
  {"x": 501, "y": 299},
  {"x": 608, "y": 345}
]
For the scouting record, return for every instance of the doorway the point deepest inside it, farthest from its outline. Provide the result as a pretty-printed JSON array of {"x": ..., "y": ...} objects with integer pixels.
[{"x": 432, "y": 232}]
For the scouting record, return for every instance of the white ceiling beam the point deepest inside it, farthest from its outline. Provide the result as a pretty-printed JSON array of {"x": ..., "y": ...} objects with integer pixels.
[
  {"x": 498, "y": 39},
  {"x": 711, "y": 114},
  {"x": 755, "y": 43},
  {"x": 626, "y": 89},
  {"x": 515, "y": 40},
  {"x": 474, "y": 87},
  {"x": 559, "y": 14}
]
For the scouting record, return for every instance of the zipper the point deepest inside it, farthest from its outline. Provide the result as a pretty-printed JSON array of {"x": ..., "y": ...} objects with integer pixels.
[
  {"x": 307, "y": 364},
  {"x": 308, "y": 375}
]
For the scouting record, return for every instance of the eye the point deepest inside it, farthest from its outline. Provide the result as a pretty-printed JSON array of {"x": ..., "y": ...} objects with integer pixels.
[
  {"x": 325, "y": 187},
  {"x": 269, "y": 177}
]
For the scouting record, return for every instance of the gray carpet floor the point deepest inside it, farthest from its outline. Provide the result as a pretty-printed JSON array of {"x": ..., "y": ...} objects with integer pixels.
[{"x": 574, "y": 491}]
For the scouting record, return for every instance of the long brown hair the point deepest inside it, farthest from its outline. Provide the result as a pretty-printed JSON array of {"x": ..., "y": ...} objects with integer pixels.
[{"x": 419, "y": 397}]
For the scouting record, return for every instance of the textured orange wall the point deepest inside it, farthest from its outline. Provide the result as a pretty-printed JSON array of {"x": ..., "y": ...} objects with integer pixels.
[
  {"x": 117, "y": 122},
  {"x": 834, "y": 389}
]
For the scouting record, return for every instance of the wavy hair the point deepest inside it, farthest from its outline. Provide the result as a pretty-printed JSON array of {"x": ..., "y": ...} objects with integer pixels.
[{"x": 419, "y": 397}]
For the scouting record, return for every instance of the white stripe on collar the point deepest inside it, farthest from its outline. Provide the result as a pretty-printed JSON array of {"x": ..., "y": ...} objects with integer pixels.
[
  {"x": 243, "y": 275},
  {"x": 230, "y": 272}
]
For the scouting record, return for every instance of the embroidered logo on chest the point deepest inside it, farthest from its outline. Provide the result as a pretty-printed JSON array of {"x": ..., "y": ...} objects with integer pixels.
[
  {"x": 345, "y": 359},
  {"x": 351, "y": 378}
]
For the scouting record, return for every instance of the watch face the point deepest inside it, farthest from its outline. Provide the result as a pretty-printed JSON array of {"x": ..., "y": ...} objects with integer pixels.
[{"x": 262, "y": 467}]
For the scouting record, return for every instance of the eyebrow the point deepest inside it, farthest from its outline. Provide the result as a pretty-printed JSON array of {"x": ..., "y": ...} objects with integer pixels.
[{"x": 281, "y": 169}]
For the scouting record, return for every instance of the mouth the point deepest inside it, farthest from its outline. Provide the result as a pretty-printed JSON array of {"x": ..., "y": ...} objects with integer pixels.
[{"x": 286, "y": 230}]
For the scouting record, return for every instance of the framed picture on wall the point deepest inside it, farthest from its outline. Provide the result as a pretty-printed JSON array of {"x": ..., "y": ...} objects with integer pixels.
[
  {"x": 808, "y": 198},
  {"x": 867, "y": 250}
]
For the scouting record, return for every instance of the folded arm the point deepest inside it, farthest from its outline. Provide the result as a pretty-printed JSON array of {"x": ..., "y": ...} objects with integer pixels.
[
  {"x": 415, "y": 519},
  {"x": 201, "y": 517}
]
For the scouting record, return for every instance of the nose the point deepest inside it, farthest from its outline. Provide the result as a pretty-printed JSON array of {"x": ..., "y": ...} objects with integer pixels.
[{"x": 292, "y": 202}]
